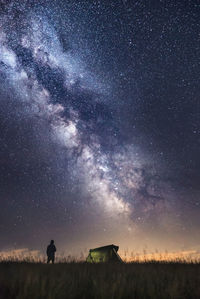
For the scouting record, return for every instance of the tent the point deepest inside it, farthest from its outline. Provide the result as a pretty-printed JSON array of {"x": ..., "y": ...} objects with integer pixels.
[{"x": 104, "y": 254}]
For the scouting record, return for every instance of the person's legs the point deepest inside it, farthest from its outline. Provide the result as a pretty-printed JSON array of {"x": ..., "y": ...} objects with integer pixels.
[
  {"x": 53, "y": 258},
  {"x": 48, "y": 259}
]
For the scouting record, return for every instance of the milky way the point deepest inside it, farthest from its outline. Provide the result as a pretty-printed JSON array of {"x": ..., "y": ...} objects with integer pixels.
[{"x": 99, "y": 123}]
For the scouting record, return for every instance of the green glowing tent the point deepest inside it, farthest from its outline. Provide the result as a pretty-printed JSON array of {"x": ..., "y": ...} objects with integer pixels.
[{"x": 104, "y": 254}]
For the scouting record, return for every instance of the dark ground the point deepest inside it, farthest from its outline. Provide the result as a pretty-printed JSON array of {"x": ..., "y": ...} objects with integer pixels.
[{"x": 81, "y": 280}]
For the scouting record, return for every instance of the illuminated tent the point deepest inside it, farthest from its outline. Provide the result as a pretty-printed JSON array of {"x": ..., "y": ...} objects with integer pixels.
[{"x": 104, "y": 254}]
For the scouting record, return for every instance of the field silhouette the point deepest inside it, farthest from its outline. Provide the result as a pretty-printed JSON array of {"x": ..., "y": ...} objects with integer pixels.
[{"x": 29, "y": 280}]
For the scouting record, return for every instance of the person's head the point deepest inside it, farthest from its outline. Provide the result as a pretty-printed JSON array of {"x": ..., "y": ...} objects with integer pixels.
[{"x": 52, "y": 242}]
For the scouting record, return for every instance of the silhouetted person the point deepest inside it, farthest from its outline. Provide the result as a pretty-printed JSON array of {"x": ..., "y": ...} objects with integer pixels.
[{"x": 51, "y": 249}]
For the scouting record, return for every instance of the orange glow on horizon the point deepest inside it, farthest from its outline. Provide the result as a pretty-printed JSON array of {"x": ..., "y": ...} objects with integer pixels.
[{"x": 24, "y": 254}]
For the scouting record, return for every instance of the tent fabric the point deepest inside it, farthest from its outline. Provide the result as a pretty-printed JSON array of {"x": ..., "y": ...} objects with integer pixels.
[{"x": 104, "y": 254}]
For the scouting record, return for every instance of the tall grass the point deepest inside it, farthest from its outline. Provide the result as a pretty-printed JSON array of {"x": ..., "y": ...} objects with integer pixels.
[{"x": 26, "y": 280}]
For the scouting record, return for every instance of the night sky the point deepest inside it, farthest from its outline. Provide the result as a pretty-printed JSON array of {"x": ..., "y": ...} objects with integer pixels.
[{"x": 100, "y": 124}]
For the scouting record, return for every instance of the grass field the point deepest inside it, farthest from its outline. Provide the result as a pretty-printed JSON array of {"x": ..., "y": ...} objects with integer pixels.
[{"x": 87, "y": 281}]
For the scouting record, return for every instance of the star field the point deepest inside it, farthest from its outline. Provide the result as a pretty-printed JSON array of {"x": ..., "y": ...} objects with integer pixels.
[{"x": 100, "y": 127}]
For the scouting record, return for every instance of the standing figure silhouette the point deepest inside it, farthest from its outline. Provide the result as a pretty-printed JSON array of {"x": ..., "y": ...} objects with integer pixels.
[{"x": 51, "y": 249}]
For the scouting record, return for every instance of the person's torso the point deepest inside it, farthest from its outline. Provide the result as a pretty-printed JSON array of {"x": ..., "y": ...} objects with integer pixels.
[{"x": 51, "y": 249}]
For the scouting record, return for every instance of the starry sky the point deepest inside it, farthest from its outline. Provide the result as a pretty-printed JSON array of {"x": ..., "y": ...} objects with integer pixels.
[{"x": 99, "y": 124}]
